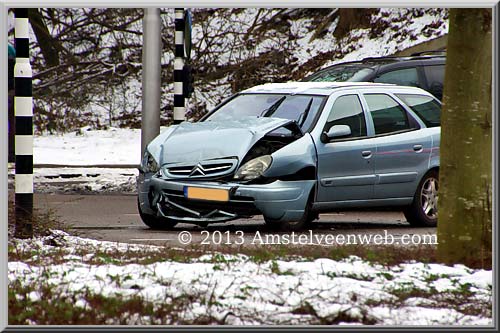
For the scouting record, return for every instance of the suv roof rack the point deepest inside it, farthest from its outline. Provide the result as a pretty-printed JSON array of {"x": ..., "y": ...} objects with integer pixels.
[
  {"x": 441, "y": 52},
  {"x": 380, "y": 58}
]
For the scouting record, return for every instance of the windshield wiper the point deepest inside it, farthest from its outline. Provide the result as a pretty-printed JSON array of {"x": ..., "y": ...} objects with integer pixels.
[
  {"x": 303, "y": 116},
  {"x": 270, "y": 110}
]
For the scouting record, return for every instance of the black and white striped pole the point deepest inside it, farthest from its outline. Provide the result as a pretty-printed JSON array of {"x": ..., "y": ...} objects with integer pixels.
[
  {"x": 179, "y": 102},
  {"x": 23, "y": 110}
]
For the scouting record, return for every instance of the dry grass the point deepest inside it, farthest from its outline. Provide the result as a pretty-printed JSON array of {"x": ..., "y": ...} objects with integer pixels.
[
  {"x": 42, "y": 221},
  {"x": 87, "y": 308}
]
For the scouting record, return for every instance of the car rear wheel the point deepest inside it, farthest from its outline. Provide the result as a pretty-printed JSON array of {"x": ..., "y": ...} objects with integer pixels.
[
  {"x": 157, "y": 223},
  {"x": 423, "y": 211},
  {"x": 301, "y": 224}
]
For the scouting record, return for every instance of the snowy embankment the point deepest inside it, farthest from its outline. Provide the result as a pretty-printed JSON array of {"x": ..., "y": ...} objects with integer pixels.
[
  {"x": 115, "y": 146},
  {"x": 241, "y": 290},
  {"x": 86, "y": 161}
]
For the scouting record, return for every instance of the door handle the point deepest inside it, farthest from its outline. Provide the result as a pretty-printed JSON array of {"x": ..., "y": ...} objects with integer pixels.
[
  {"x": 418, "y": 148},
  {"x": 366, "y": 153}
]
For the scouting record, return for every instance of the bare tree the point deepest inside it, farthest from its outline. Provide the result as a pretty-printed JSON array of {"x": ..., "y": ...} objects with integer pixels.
[{"x": 49, "y": 46}]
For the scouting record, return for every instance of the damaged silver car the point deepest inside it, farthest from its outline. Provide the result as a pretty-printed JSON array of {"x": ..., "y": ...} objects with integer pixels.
[{"x": 293, "y": 150}]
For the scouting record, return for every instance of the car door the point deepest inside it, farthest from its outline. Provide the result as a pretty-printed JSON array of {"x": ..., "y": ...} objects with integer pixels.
[
  {"x": 402, "y": 148},
  {"x": 345, "y": 167}
]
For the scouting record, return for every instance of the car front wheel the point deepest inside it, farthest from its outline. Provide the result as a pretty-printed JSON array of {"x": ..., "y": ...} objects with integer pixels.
[
  {"x": 423, "y": 211},
  {"x": 154, "y": 222},
  {"x": 301, "y": 224}
]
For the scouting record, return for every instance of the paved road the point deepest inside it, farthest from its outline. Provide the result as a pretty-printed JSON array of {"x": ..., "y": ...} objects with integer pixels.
[{"x": 115, "y": 218}]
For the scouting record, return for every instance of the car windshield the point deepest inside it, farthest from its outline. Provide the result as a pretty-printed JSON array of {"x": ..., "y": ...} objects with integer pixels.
[
  {"x": 343, "y": 73},
  {"x": 302, "y": 108}
]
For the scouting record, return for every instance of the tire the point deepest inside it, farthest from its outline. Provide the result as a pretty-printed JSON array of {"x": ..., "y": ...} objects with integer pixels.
[
  {"x": 299, "y": 225},
  {"x": 423, "y": 211},
  {"x": 154, "y": 222}
]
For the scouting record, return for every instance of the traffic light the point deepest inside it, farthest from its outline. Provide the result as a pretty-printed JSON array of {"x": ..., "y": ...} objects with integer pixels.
[{"x": 187, "y": 81}]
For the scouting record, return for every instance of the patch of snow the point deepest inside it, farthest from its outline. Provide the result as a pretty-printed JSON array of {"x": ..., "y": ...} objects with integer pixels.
[
  {"x": 404, "y": 31},
  {"x": 234, "y": 289},
  {"x": 89, "y": 147}
]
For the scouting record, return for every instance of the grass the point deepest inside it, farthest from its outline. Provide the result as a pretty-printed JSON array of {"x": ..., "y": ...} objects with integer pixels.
[
  {"x": 87, "y": 308},
  {"x": 461, "y": 299},
  {"x": 54, "y": 307},
  {"x": 383, "y": 254},
  {"x": 42, "y": 221}
]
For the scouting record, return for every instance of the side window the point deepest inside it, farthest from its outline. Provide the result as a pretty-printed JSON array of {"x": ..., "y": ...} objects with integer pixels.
[
  {"x": 388, "y": 116},
  {"x": 347, "y": 110},
  {"x": 403, "y": 77},
  {"x": 425, "y": 107},
  {"x": 435, "y": 79}
]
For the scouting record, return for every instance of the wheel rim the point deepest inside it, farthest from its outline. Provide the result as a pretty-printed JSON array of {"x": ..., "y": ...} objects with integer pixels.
[{"x": 429, "y": 197}]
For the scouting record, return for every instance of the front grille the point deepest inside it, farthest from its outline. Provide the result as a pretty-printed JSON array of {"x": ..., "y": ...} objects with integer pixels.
[
  {"x": 241, "y": 206},
  {"x": 211, "y": 169},
  {"x": 204, "y": 169}
]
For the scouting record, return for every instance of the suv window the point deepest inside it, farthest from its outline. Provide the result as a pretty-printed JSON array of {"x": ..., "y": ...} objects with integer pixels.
[
  {"x": 342, "y": 73},
  {"x": 404, "y": 77},
  {"x": 427, "y": 108},
  {"x": 435, "y": 79},
  {"x": 388, "y": 116},
  {"x": 347, "y": 110}
]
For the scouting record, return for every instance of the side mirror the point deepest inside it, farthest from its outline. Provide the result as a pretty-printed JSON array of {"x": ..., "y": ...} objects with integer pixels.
[{"x": 335, "y": 132}]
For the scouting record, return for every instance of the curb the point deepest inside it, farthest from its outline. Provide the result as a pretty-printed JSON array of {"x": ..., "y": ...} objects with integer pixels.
[{"x": 102, "y": 166}]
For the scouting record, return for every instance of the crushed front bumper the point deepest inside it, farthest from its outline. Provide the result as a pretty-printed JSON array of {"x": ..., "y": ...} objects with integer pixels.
[{"x": 279, "y": 200}]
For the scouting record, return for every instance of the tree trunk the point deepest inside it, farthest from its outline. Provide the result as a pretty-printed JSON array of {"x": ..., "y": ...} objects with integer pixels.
[
  {"x": 352, "y": 18},
  {"x": 48, "y": 46},
  {"x": 465, "y": 215}
]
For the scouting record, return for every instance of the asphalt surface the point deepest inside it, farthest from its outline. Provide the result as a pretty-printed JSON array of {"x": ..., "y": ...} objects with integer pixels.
[{"x": 115, "y": 218}]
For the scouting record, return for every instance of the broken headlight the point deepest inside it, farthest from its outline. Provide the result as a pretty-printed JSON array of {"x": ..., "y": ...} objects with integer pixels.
[
  {"x": 149, "y": 164},
  {"x": 254, "y": 168}
]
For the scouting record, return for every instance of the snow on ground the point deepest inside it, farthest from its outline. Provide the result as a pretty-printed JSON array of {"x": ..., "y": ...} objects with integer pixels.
[
  {"x": 405, "y": 31},
  {"x": 89, "y": 147},
  {"x": 82, "y": 180},
  {"x": 85, "y": 180},
  {"x": 86, "y": 161},
  {"x": 237, "y": 290}
]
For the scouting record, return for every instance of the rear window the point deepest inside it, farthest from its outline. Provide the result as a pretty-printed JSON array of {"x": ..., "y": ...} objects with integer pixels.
[
  {"x": 426, "y": 108},
  {"x": 344, "y": 73}
]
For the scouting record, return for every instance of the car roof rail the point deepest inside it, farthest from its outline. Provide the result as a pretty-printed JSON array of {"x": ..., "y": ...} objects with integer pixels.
[
  {"x": 381, "y": 59},
  {"x": 430, "y": 52}
]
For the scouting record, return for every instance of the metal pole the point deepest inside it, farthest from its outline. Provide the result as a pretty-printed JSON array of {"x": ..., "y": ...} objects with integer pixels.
[
  {"x": 23, "y": 110},
  {"x": 151, "y": 76},
  {"x": 179, "y": 106}
]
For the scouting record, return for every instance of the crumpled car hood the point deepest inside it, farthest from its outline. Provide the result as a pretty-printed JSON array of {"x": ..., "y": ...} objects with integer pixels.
[{"x": 195, "y": 142}]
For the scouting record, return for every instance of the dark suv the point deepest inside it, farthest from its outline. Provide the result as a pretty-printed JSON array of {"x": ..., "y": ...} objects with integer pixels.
[{"x": 417, "y": 70}]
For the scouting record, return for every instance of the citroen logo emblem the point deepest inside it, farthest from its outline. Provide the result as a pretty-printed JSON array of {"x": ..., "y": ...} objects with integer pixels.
[{"x": 197, "y": 170}]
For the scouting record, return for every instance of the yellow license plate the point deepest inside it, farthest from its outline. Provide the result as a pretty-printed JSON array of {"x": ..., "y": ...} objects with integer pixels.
[{"x": 206, "y": 194}]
